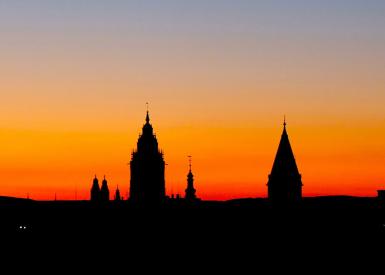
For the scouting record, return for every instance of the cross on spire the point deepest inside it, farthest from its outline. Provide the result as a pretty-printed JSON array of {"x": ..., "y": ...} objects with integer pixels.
[{"x": 284, "y": 121}]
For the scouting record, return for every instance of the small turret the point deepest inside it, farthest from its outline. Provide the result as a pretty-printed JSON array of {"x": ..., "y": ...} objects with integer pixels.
[
  {"x": 104, "y": 191},
  {"x": 190, "y": 190},
  {"x": 117, "y": 194},
  {"x": 95, "y": 190}
]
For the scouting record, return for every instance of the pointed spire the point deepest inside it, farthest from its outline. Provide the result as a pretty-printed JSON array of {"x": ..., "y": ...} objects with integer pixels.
[
  {"x": 147, "y": 115},
  {"x": 284, "y": 180},
  {"x": 284, "y": 133}
]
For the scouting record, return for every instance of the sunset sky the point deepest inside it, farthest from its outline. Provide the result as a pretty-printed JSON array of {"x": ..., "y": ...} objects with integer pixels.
[{"x": 219, "y": 77}]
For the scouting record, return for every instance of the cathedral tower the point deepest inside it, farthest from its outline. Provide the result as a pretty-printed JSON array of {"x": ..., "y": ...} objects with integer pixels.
[
  {"x": 147, "y": 184},
  {"x": 284, "y": 185}
]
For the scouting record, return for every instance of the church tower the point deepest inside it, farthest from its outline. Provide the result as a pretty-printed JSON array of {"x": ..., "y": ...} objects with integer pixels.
[
  {"x": 284, "y": 185},
  {"x": 147, "y": 184},
  {"x": 95, "y": 190},
  {"x": 190, "y": 190},
  {"x": 104, "y": 191}
]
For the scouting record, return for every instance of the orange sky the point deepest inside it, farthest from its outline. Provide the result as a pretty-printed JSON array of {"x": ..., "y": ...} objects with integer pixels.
[
  {"x": 228, "y": 161},
  {"x": 219, "y": 79}
]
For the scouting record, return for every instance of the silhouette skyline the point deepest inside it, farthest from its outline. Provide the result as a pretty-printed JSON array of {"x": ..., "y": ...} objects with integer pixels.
[
  {"x": 73, "y": 88},
  {"x": 147, "y": 181},
  {"x": 147, "y": 177},
  {"x": 208, "y": 177}
]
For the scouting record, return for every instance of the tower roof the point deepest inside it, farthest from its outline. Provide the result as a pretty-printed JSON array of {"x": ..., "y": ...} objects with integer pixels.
[{"x": 284, "y": 163}]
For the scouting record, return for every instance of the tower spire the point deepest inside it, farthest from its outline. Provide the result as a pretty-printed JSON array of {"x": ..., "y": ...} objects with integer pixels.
[
  {"x": 147, "y": 115},
  {"x": 285, "y": 183}
]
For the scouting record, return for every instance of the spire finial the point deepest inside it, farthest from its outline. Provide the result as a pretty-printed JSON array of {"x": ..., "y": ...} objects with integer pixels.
[
  {"x": 147, "y": 115},
  {"x": 284, "y": 121},
  {"x": 189, "y": 160}
]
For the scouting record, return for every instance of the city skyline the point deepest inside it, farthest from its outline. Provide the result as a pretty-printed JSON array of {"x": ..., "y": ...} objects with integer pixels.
[{"x": 219, "y": 77}]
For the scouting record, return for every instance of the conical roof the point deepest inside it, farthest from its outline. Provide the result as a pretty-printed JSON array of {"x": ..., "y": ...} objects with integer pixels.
[{"x": 284, "y": 163}]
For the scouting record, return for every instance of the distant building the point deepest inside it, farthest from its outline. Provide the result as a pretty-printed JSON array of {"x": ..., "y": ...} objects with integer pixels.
[
  {"x": 104, "y": 191},
  {"x": 190, "y": 190},
  {"x": 285, "y": 184},
  {"x": 95, "y": 190},
  {"x": 147, "y": 184}
]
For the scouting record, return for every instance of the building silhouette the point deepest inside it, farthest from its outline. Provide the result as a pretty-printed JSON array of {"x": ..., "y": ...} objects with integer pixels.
[
  {"x": 147, "y": 184},
  {"x": 285, "y": 184},
  {"x": 104, "y": 191},
  {"x": 95, "y": 190},
  {"x": 117, "y": 194},
  {"x": 190, "y": 190}
]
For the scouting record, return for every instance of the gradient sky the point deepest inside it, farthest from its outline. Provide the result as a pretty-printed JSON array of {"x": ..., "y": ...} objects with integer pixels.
[{"x": 219, "y": 76}]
